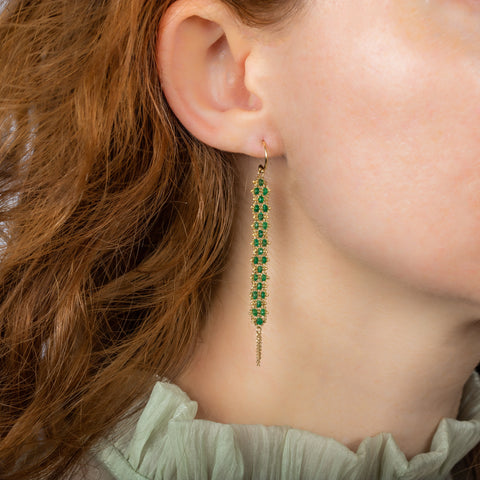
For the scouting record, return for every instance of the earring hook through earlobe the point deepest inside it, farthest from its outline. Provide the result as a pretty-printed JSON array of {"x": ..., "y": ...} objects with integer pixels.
[{"x": 263, "y": 167}]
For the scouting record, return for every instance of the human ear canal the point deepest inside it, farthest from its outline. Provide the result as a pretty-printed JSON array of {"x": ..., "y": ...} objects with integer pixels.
[{"x": 226, "y": 78}]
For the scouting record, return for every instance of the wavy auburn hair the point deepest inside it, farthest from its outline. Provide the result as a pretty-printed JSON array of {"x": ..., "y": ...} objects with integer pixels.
[{"x": 115, "y": 223}]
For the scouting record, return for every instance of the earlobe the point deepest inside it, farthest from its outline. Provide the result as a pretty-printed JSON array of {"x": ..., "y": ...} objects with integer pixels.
[{"x": 202, "y": 52}]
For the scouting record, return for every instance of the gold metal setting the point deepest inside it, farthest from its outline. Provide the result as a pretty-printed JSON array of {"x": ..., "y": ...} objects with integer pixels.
[{"x": 260, "y": 226}]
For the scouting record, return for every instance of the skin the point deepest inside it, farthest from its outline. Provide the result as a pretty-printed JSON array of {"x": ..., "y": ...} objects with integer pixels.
[{"x": 370, "y": 111}]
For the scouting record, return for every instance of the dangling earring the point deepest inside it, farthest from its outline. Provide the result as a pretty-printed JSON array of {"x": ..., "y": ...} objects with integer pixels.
[{"x": 258, "y": 294}]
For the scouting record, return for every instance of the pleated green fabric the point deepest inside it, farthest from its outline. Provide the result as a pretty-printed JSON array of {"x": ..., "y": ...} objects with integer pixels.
[{"x": 165, "y": 441}]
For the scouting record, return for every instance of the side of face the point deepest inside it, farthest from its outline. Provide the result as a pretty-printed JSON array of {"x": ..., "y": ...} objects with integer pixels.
[{"x": 385, "y": 145}]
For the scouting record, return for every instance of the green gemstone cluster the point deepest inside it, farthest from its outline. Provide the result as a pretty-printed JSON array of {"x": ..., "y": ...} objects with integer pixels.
[{"x": 260, "y": 209}]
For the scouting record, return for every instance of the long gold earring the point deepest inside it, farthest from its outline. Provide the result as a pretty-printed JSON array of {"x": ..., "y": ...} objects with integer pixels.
[{"x": 258, "y": 294}]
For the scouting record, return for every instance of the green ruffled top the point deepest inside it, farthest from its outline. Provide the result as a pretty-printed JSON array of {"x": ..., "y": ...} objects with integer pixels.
[{"x": 165, "y": 441}]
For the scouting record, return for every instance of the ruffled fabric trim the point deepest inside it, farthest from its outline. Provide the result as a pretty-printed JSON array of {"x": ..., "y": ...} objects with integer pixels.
[{"x": 167, "y": 442}]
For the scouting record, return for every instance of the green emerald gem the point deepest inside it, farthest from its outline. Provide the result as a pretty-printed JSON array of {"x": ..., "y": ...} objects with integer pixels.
[
  {"x": 265, "y": 191},
  {"x": 260, "y": 199},
  {"x": 254, "y": 312},
  {"x": 256, "y": 242},
  {"x": 255, "y": 277},
  {"x": 260, "y": 251},
  {"x": 259, "y": 303},
  {"x": 263, "y": 312},
  {"x": 264, "y": 278},
  {"x": 260, "y": 269},
  {"x": 259, "y": 321},
  {"x": 264, "y": 242},
  {"x": 264, "y": 259},
  {"x": 265, "y": 225},
  {"x": 256, "y": 225},
  {"x": 259, "y": 286},
  {"x": 256, "y": 190},
  {"x": 263, "y": 294},
  {"x": 256, "y": 208},
  {"x": 255, "y": 260},
  {"x": 254, "y": 295},
  {"x": 264, "y": 208},
  {"x": 260, "y": 233},
  {"x": 260, "y": 216},
  {"x": 260, "y": 182}
]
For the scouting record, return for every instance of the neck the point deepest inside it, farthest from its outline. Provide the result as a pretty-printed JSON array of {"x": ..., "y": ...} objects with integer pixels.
[{"x": 348, "y": 351}]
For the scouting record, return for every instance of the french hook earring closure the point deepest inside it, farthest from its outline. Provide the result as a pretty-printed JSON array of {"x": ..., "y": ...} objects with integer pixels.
[{"x": 263, "y": 167}]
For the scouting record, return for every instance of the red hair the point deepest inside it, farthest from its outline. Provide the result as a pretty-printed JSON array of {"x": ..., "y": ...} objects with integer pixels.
[{"x": 115, "y": 223}]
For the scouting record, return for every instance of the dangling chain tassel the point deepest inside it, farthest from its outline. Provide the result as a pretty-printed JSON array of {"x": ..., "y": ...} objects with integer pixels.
[{"x": 260, "y": 211}]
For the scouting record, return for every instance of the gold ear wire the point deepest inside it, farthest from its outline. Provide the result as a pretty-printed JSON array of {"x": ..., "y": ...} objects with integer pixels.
[
  {"x": 259, "y": 277},
  {"x": 263, "y": 167}
]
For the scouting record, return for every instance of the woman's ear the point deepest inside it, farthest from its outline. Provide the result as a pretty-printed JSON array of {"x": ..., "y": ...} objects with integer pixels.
[{"x": 208, "y": 67}]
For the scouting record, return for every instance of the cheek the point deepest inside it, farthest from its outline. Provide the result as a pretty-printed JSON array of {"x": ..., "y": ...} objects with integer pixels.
[
  {"x": 413, "y": 223},
  {"x": 387, "y": 154}
]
